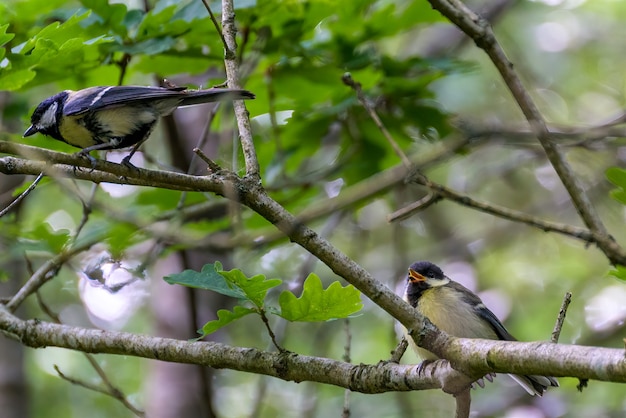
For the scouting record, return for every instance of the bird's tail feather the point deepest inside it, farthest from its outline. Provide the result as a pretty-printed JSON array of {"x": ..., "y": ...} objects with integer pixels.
[
  {"x": 535, "y": 385},
  {"x": 214, "y": 95}
]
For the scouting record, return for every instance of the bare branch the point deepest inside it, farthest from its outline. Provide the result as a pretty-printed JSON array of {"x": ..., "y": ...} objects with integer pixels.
[
  {"x": 481, "y": 356},
  {"x": 21, "y": 196},
  {"x": 413, "y": 208},
  {"x": 286, "y": 366},
  {"x": 463, "y": 402},
  {"x": 356, "y": 86},
  {"x": 215, "y": 23},
  {"x": 46, "y": 272},
  {"x": 103, "y": 390},
  {"x": 556, "y": 332},
  {"x": 213, "y": 166},
  {"x": 109, "y": 389},
  {"x": 502, "y": 212},
  {"x": 398, "y": 352},
  {"x": 480, "y": 31},
  {"x": 346, "y": 357},
  {"x": 232, "y": 73}
]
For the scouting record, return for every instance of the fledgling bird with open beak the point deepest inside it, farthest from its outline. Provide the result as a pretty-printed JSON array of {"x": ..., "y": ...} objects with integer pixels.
[{"x": 457, "y": 311}]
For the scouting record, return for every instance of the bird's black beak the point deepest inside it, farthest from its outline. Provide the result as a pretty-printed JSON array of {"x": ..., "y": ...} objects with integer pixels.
[
  {"x": 415, "y": 277},
  {"x": 32, "y": 130}
]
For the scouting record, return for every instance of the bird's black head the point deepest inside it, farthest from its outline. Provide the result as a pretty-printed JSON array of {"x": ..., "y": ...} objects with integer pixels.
[
  {"x": 422, "y": 276},
  {"x": 47, "y": 116},
  {"x": 426, "y": 270}
]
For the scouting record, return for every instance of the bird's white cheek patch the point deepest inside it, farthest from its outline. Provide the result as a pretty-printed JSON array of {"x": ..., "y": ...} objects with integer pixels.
[{"x": 49, "y": 117}]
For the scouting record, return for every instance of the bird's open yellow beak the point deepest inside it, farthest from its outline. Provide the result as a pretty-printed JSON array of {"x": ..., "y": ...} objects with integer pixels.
[{"x": 415, "y": 277}]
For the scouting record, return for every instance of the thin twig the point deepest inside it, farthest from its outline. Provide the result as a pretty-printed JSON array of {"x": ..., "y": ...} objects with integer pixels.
[
  {"x": 123, "y": 64},
  {"x": 232, "y": 73},
  {"x": 46, "y": 272},
  {"x": 111, "y": 389},
  {"x": 360, "y": 192},
  {"x": 270, "y": 332},
  {"x": 204, "y": 137},
  {"x": 22, "y": 195},
  {"x": 398, "y": 352},
  {"x": 99, "y": 389},
  {"x": 346, "y": 357},
  {"x": 215, "y": 22},
  {"x": 418, "y": 206},
  {"x": 213, "y": 166},
  {"x": 556, "y": 332},
  {"x": 505, "y": 213},
  {"x": 87, "y": 208},
  {"x": 356, "y": 86}
]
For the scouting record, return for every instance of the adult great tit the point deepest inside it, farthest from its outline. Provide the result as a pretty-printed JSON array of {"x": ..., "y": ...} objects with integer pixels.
[
  {"x": 457, "y": 311},
  {"x": 115, "y": 117}
]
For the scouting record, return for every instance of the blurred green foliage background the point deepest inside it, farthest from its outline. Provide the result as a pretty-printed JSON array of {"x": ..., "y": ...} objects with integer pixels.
[{"x": 430, "y": 86}]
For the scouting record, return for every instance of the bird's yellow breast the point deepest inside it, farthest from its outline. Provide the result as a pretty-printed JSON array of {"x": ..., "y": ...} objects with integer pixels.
[
  {"x": 124, "y": 120},
  {"x": 444, "y": 308},
  {"x": 75, "y": 133},
  {"x": 104, "y": 125}
]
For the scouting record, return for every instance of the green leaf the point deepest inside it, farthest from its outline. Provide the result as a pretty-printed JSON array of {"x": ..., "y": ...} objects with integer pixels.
[
  {"x": 317, "y": 304},
  {"x": 55, "y": 51},
  {"x": 55, "y": 239},
  {"x": 113, "y": 17},
  {"x": 121, "y": 236},
  {"x": 44, "y": 238},
  {"x": 14, "y": 80},
  {"x": 151, "y": 46},
  {"x": 619, "y": 195},
  {"x": 4, "y": 36},
  {"x": 231, "y": 283},
  {"x": 255, "y": 288},
  {"x": 617, "y": 176},
  {"x": 619, "y": 272},
  {"x": 207, "y": 279},
  {"x": 225, "y": 317}
]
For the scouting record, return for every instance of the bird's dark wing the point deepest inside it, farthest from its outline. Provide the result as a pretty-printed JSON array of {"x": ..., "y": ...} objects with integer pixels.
[
  {"x": 484, "y": 312},
  {"x": 495, "y": 323},
  {"x": 98, "y": 98}
]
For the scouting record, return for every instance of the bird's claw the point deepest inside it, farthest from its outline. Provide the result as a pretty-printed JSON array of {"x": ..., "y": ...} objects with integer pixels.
[
  {"x": 422, "y": 365},
  {"x": 85, "y": 154},
  {"x": 480, "y": 382},
  {"x": 126, "y": 163}
]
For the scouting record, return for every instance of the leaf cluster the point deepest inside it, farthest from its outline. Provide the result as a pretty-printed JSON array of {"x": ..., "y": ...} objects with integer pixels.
[{"x": 315, "y": 303}]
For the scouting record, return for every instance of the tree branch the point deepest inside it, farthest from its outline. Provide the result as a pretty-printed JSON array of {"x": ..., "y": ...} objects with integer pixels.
[
  {"x": 46, "y": 272},
  {"x": 463, "y": 401},
  {"x": 504, "y": 213},
  {"x": 480, "y": 31},
  {"x": 480, "y": 356},
  {"x": 250, "y": 193},
  {"x": 232, "y": 73},
  {"x": 287, "y": 366},
  {"x": 556, "y": 332},
  {"x": 356, "y": 86}
]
